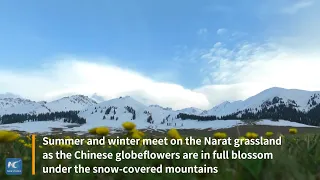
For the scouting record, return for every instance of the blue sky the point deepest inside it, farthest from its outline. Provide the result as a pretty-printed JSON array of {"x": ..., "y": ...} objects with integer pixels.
[{"x": 161, "y": 40}]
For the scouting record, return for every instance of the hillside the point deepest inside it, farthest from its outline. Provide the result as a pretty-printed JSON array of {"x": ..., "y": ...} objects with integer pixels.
[
  {"x": 298, "y": 106},
  {"x": 70, "y": 103},
  {"x": 17, "y": 105},
  {"x": 296, "y": 99}
]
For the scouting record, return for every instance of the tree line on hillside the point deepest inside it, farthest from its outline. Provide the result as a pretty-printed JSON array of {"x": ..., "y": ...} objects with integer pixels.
[
  {"x": 274, "y": 113},
  {"x": 68, "y": 117}
]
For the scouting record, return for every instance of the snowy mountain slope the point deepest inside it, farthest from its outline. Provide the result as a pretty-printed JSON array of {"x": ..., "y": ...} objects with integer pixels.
[
  {"x": 11, "y": 102},
  {"x": 114, "y": 112},
  {"x": 298, "y": 99},
  {"x": 9, "y": 95},
  {"x": 158, "y": 106},
  {"x": 70, "y": 103},
  {"x": 112, "y": 108},
  {"x": 126, "y": 108},
  {"x": 22, "y": 106},
  {"x": 191, "y": 110},
  {"x": 223, "y": 109},
  {"x": 25, "y": 106}
]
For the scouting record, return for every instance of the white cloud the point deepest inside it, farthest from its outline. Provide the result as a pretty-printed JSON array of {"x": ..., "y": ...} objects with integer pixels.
[
  {"x": 295, "y": 7},
  {"x": 232, "y": 73},
  {"x": 78, "y": 76},
  {"x": 289, "y": 59},
  {"x": 221, "y": 31},
  {"x": 249, "y": 68}
]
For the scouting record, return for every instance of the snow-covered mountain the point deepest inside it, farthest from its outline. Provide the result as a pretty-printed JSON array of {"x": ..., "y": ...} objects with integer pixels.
[
  {"x": 114, "y": 112},
  {"x": 191, "y": 110},
  {"x": 17, "y": 105},
  {"x": 298, "y": 99},
  {"x": 126, "y": 108},
  {"x": 21, "y": 106},
  {"x": 70, "y": 103},
  {"x": 9, "y": 95}
]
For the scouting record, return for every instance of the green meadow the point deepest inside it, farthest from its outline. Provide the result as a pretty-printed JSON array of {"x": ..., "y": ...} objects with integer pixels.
[{"x": 297, "y": 158}]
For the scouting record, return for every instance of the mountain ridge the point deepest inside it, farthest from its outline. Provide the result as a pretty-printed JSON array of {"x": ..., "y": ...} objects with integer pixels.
[
  {"x": 275, "y": 103},
  {"x": 303, "y": 99}
]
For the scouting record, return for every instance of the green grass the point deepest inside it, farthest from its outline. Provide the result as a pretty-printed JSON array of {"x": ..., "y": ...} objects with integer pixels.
[{"x": 297, "y": 158}]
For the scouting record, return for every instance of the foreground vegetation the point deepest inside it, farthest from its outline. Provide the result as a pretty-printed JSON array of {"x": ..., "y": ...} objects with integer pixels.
[{"x": 297, "y": 158}]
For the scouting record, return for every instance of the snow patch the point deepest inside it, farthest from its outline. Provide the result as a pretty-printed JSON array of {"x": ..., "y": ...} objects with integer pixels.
[
  {"x": 35, "y": 127},
  {"x": 281, "y": 123}
]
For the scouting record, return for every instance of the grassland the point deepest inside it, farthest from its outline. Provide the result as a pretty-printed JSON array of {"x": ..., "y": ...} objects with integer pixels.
[{"x": 297, "y": 158}]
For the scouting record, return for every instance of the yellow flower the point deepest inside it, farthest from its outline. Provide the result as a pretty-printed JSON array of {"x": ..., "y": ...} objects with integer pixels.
[
  {"x": 92, "y": 131},
  {"x": 67, "y": 137},
  {"x": 242, "y": 138},
  {"x": 174, "y": 134},
  {"x": 40, "y": 147},
  {"x": 128, "y": 126},
  {"x": 269, "y": 134},
  {"x": 137, "y": 131},
  {"x": 102, "y": 131},
  {"x": 8, "y": 136},
  {"x": 220, "y": 135},
  {"x": 28, "y": 145},
  {"x": 21, "y": 141},
  {"x": 136, "y": 135},
  {"x": 293, "y": 131},
  {"x": 251, "y": 135}
]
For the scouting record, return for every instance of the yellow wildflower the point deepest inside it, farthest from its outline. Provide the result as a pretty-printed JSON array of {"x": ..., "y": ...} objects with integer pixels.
[
  {"x": 92, "y": 131},
  {"x": 8, "y": 136},
  {"x": 269, "y": 134},
  {"x": 220, "y": 135},
  {"x": 293, "y": 131},
  {"x": 242, "y": 138},
  {"x": 21, "y": 141},
  {"x": 136, "y": 135},
  {"x": 28, "y": 145},
  {"x": 137, "y": 131},
  {"x": 251, "y": 135},
  {"x": 40, "y": 147},
  {"x": 102, "y": 131},
  {"x": 67, "y": 137},
  {"x": 128, "y": 126},
  {"x": 174, "y": 134}
]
